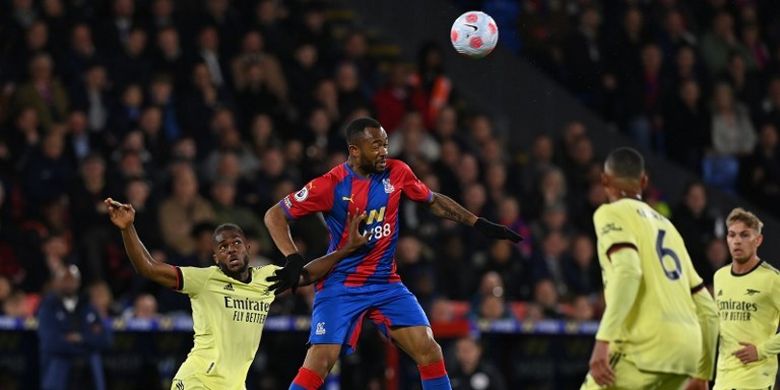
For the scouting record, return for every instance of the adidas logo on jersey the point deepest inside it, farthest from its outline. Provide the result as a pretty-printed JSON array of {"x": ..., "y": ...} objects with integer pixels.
[{"x": 229, "y": 287}]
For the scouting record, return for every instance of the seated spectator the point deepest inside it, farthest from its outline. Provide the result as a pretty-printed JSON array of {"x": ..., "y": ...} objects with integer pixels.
[
  {"x": 546, "y": 299},
  {"x": 471, "y": 371},
  {"x": 582, "y": 270},
  {"x": 182, "y": 210},
  {"x": 582, "y": 309},
  {"x": 732, "y": 129},
  {"x": 101, "y": 298},
  {"x": 145, "y": 307}
]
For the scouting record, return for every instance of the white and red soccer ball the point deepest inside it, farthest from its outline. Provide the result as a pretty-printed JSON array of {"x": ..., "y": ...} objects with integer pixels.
[{"x": 474, "y": 34}]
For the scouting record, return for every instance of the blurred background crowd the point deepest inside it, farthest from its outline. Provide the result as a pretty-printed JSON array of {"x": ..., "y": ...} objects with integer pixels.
[{"x": 205, "y": 112}]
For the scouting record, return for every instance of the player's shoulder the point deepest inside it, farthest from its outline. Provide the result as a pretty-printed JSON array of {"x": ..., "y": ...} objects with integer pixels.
[
  {"x": 397, "y": 164},
  {"x": 610, "y": 210},
  {"x": 723, "y": 271},
  {"x": 768, "y": 268},
  {"x": 335, "y": 174},
  {"x": 265, "y": 270}
]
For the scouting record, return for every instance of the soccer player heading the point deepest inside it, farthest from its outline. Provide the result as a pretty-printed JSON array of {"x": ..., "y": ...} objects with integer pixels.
[
  {"x": 660, "y": 323},
  {"x": 365, "y": 283},
  {"x": 230, "y": 300},
  {"x": 747, "y": 292}
]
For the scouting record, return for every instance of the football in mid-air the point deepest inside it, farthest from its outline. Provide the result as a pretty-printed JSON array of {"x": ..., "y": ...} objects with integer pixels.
[{"x": 474, "y": 34}]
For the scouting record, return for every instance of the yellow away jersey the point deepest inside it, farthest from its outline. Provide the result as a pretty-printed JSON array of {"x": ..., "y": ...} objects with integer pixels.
[
  {"x": 661, "y": 332},
  {"x": 749, "y": 312},
  {"x": 228, "y": 318}
]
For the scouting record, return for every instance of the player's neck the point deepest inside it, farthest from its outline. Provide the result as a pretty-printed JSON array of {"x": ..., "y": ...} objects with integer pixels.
[
  {"x": 744, "y": 268},
  {"x": 618, "y": 195},
  {"x": 244, "y": 276},
  {"x": 356, "y": 168}
]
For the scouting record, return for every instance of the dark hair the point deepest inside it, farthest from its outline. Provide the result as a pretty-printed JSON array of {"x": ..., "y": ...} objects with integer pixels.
[
  {"x": 626, "y": 163},
  {"x": 357, "y": 126},
  {"x": 228, "y": 226}
]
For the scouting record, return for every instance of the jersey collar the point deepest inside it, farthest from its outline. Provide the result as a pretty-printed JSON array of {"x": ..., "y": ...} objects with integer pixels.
[{"x": 749, "y": 271}]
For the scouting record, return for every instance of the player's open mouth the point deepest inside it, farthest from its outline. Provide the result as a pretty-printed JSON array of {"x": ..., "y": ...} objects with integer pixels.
[{"x": 234, "y": 261}]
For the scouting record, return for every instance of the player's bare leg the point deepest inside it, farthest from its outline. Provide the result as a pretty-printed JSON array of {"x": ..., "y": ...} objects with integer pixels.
[
  {"x": 320, "y": 358},
  {"x": 418, "y": 342}
]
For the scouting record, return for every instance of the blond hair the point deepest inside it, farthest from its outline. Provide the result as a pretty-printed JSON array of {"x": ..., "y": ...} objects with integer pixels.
[{"x": 749, "y": 219}]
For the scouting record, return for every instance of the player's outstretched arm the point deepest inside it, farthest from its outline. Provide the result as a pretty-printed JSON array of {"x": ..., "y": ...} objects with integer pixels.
[
  {"x": 123, "y": 215},
  {"x": 318, "y": 268},
  {"x": 289, "y": 276},
  {"x": 444, "y": 207}
]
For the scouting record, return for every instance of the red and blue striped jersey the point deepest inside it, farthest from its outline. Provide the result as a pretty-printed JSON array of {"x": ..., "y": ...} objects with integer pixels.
[{"x": 342, "y": 193}]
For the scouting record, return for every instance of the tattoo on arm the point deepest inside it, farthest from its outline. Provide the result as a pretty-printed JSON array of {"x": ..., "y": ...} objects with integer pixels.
[{"x": 444, "y": 207}]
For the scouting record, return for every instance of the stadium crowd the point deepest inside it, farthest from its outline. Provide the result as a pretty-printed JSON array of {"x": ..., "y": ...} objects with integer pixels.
[
  {"x": 696, "y": 81},
  {"x": 201, "y": 113}
]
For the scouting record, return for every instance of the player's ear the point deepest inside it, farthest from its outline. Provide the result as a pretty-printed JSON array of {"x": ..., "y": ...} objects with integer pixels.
[
  {"x": 643, "y": 181},
  {"x": 353, "y": 149},
  {"x": 759, "y": 240}
]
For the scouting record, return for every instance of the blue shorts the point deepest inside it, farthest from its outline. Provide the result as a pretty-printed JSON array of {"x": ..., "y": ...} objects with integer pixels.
[{"x": 339, "y": 312}]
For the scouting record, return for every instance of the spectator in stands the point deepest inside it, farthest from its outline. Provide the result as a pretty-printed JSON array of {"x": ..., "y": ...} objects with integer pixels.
[
  {"x": 687, "y": 126},
  {"x": 169, "y": 56},
  {"x": 182, "y": 210},
  {"x": 582, "y": 309},
  {"x": 503, "y": 258},
  {"x": 550, "y": 264},
  {"x": 392, "y": 100},
  {"x": 432, "y": 90},
  {"x": 101, "y": 298},
  {"x": 719, "y": 42},
  {"x": 695, "y": 221},
  {"x": 471, "y": 371},
  {"x": 581, "y": 270},
  {"x": 223, "y": 195},
  {"x": 6, "y": 289},
  {"x": 94, "y": 96},
  {"x": 145, "y": 307},
  {"x": 125, "y": 116},
  {"x": 71, "y": 332},
  {"x": 770, "y": 105},
  {"x": 79, "y": 141},
  {"x": 48, "y": 172},
  {"x": 551, "y": 190},
  {"x": 43, "y": 92},
  {"x": 760, "y": 173},
  {"x": 717, "y": 255},
  {"x": 546, "y": 300},
  {"x": 88, "y": 209},
  {"x": 16, "y": 305},
  {"x": 583, "y": 56},
  {"x": 732, "y": 129}
]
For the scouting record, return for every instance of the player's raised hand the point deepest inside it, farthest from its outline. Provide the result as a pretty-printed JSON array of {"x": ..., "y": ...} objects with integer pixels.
[
  {"x": 356, "y": 238},
  {"x": 600, "y": 369},
  {"x": 494, "y": 230},
  {"x": 289, "y": 276},
  {"x": 747, "y": 354},
  {"x": 122, "y": 215}
]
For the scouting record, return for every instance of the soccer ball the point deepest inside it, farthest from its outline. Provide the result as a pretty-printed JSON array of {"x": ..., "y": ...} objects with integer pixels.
[{"x": 474, "y": 34}]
